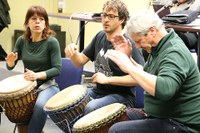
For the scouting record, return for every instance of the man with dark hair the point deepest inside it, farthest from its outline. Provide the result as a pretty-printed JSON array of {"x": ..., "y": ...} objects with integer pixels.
[{"x": 110, "y": 86}]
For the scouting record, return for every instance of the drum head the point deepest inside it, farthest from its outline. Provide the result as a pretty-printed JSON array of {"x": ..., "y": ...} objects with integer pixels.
[
  {"x": 100, "y": 116},
  {"x": 66, "y": 97},
  {"x": 15, "y": 86}
]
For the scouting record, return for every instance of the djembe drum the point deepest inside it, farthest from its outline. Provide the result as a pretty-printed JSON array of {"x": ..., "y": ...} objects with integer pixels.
[
  {"x": 100, "y": 120},
  {"x": 67, "y": 106},
  {"x": 18, "y": 97}
]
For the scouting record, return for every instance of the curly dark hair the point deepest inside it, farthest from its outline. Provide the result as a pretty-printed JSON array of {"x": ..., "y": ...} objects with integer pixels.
[{"x": 120, "y": 7}]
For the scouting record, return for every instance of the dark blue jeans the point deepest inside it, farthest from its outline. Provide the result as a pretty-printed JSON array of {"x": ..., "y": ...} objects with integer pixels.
[
  {"x": 39, "y": 116},
  {"x": 140, "y": 123},
  {"x": 99, "y": 101}
]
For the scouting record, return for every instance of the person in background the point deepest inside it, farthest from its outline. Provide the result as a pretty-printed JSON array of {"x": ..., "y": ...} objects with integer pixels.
[
  {"x": 190, "y": 39},
  {"x": 178, "y": 5},
  {"x": 40, "y": 54},
  {"x": 193, "y": 5},
  {"x": 112, "y": 85},
  {"x": 170, "y": 78}
]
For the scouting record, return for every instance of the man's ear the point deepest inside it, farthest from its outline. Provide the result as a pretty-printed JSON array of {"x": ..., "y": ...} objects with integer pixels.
[
  {"x": 153, "y": 30},
  {"x": 122, "y": 21}
]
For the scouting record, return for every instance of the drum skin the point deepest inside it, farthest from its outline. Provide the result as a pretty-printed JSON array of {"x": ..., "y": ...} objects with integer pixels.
[
  {"x": 18, "y": 97},
  {"x": 100, "y": 120},
  {"x": 67, "y": 106}
]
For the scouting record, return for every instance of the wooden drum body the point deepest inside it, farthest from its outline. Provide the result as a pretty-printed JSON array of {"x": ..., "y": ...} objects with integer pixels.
[
  {"x": 67, "y": 106},
  {"x": 18, "y": 97},
  {"x": 100, "y": 120}
]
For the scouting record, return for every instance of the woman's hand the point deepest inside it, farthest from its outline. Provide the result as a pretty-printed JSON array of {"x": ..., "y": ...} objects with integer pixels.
[
  {"x": 30, "y": 75},
  {"x": 11, "y": 58}
]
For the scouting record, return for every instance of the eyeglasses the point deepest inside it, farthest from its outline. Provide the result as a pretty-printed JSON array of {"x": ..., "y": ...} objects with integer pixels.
[{"x": 110, "y": 16}]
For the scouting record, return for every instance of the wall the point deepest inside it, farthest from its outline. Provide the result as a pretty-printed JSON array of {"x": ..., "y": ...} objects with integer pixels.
[
  {"x": 19, "y": 8},
  {"x": 17, "y": 14}
]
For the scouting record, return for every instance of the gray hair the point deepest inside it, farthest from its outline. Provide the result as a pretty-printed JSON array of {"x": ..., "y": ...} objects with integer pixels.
[{"x": 139, "y": 23}]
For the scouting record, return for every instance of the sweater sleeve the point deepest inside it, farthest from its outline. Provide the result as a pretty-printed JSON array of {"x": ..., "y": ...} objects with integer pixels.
[
  {"x": 55, "y": 57},
  {"x": 172, "y": 74}
]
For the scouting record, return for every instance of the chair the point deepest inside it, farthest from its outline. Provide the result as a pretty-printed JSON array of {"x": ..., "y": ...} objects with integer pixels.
[
  {"x": 70, "y": 74},
  {"x": 139, "y": 97}
]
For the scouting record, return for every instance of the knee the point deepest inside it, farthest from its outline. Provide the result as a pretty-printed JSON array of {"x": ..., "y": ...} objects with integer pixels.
[
  {"x": 89, "y": 108},
  {"x": 114, "y": 128},
  {"x": 38, "y": 107}
]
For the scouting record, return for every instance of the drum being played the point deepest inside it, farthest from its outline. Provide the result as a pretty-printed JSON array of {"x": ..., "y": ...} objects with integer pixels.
[
  {"x": 18, "y": 97},
  {"x": 67, "y": 106},
  {"x": 100, "y": 120}
]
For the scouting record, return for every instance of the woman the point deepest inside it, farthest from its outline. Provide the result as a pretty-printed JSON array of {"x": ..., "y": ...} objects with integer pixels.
[{"x": 40, "y": 54}]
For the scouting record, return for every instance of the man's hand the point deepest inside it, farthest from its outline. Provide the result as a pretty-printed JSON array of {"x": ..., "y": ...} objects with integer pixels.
[
  {"x": 70, "y": 50},
  {"x": 100, "y": 78},
  {"x": 122, "y": 60},
  {"x": 121, "y": 44}
]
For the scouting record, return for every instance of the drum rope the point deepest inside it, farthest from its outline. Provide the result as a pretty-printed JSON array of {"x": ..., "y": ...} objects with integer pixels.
[
  {"x": 2, "y": 106},
  {"x": 15, "y": 128},
  {"x": 68, "y": 126},
  {"x": 1, "y": 110}
]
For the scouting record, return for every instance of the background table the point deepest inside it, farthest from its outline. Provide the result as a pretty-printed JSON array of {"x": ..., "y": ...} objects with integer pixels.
[{"x": 82, "y": 17}]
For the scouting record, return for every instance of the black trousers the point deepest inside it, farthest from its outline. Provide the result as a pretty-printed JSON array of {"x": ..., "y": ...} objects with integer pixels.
[
  {"x": 1, "y": 110},
  {"x": 189, "y": 38},
  {"x": 141, "y": 123}
]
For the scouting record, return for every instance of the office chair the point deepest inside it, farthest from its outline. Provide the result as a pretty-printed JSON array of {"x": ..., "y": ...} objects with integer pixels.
[
  {"x": 139, "y": 97},
  {"x": 70, "y": 74}
]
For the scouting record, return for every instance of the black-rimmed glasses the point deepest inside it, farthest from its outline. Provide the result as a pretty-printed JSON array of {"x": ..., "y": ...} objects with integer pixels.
[{"x": 110, "y": 16}]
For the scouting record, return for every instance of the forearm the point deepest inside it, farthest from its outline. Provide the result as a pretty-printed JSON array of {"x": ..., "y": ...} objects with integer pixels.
[
  {"x": 41, "y": 75},
  {"x": 10, "y": 65},
  {"x": 79, "y": 59},
  {"x": 126, "y": 80},
  {"x": 144, "y": 79}
]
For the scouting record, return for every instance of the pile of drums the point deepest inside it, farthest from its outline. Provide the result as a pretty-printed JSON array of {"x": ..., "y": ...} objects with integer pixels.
[{"x": 66, "y": 110}]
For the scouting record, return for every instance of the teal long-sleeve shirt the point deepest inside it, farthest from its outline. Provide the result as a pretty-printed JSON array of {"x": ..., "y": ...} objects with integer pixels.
[
  {"x": 40, "y": 56},
  {"x": 178, "y": 83}
]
